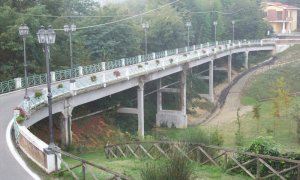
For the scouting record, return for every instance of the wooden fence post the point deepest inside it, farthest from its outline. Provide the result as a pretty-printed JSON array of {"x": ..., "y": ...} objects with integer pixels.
[
  {"x": 298, "y": 172},
  {"x": 83, "y": 170},
  {"x": 225, "y": 161},
  {"x": 257, "y": 168}
]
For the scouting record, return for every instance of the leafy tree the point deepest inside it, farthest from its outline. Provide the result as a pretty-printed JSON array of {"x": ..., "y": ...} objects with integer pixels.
[{"x": 256, "y": 115}]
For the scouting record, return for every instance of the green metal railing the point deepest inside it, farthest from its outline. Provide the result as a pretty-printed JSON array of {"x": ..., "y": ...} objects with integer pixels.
[{"x": 39, "y": 79}]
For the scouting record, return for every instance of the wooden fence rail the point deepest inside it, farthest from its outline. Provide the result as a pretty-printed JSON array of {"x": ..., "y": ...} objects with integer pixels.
[
  {"x": 87, "y": 168},
  {"x": 256, "y": 166}
]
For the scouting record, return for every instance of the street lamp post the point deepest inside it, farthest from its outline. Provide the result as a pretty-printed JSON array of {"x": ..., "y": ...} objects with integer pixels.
[
  {"x": 233, "y": 23},
  {"x": 46, "y": 38},
  {"x": 215, "y": 24},
  {"x": 145, "y": 26},
  {"x": 188, "y": 25},
  {"x": 69, "y": 29},
  {"x": 23, "y": 32}
]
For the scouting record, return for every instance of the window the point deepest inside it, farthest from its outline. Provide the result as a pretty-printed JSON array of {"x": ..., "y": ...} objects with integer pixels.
[{"x": 279, "y": 15}]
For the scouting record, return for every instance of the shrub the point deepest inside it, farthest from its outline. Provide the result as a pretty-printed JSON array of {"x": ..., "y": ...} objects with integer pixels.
[
  {"x": 93, "y": 78},
  {"x": 22, "y": 112},
  {"x": 177, "y": 167},
  {"x": 140, "y": 66},
  {"x": 117, "y": 73},
  {"x": 20, "y": 119},
  {"x": 38, "y": 94},
  {"x": 171, "y": 60},
  {"x": 60, "y": 86}
]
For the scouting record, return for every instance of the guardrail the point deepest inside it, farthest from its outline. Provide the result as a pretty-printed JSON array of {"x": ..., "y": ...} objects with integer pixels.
[{"x": 40, "y": 79}]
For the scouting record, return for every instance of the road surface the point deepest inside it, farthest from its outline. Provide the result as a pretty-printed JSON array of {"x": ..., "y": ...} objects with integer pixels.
[{"x": 10, "y": 168}]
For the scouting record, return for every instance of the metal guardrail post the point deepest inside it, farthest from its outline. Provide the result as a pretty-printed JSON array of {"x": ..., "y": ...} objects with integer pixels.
[
  {"x": 166, "y": 53},
  {"x": 176, "y": 51},
  {"x": 139, "y": 58}
]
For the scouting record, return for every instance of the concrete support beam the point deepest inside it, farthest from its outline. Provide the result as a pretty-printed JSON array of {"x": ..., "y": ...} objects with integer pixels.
[
  {"x": 220, "y": 68},
  {"x": 169, "y": 90},
  {"x": 211, "y": 81},
  {"x": 140, "y": 99},
  {"x": 202, "y": 77},
  {"x": 128, "y": 110},
  {"x": 247, "y": 59},
  {"x": 229, "y": 64}
]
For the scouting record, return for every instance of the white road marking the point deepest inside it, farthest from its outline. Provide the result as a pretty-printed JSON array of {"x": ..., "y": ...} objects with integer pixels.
[{"x": 16, "y": 155}]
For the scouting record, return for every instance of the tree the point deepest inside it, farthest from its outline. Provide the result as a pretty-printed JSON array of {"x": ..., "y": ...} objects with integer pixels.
[
  {"x": 296, "y": 117},
  {"x": 256, "y": 115}
]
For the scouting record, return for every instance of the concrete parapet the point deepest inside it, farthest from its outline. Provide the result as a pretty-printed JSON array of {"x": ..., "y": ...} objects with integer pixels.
[{"x": 34, "y": 148}]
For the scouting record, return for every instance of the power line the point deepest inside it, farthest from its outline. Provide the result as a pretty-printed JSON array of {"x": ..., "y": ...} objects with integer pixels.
[
  {"x": 218, "y": 12},
  {"x": 52, "y": 16},
  {"x": 124, "y": 19}
]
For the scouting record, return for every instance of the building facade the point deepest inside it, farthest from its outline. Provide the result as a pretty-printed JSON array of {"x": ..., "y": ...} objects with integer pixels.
[{"x": 282, "y": 17}]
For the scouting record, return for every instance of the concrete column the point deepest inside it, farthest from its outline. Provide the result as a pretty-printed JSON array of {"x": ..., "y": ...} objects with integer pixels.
[
  {"x": 159, "y": 96},
  {"x": 283, "y": 28},
  {"x": 123, "y": 62},
  {"x": 246, "y": 59},
  {"x": 183, "y": 92},
  {"x": 18, "y": 83},
  {"x": 103, "y": 66},
  {"x": 66, "y": 132},
  {"x": 53, "y": 78},
  {"x": 140, "y": 99},
  {"x": 80, "y": 70},
  {"x": 229, "y": 64},
  {"x": 211, "y": 81}
]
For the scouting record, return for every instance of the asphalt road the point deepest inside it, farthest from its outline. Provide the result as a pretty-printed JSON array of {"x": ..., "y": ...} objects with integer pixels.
[{"x": 10, "y": 169}]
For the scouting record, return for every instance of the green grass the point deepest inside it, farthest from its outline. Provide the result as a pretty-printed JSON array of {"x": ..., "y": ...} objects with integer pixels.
[
  {"x": 132, "y": 167},
  {"x": 261, "y": 87},
  {"x": 284, "y": 133}
]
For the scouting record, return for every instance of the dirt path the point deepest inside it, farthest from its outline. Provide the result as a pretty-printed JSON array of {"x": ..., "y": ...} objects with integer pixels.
[{"x": 232, "y": 103}]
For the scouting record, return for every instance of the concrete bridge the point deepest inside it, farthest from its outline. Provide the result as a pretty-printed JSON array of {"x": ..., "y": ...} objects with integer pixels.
[{"x": 117, "y": 76}]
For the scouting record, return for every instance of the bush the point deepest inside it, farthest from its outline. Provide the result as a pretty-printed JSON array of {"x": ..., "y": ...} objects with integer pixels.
[
  {"x": 20, "y": 119},
  {"x": 177, "y": 167},
  {"x": 22, "y": 112},
  {"x": 38, "y": 94},
  {"x": 264, "y": 145},
  {"x": 171, "y": 61},
  {"x": 140, "y": 66},
  {"x": 157, "y": 62},
  {"x": 60, "y": 86},
  {"x": 93, "y": 78}
]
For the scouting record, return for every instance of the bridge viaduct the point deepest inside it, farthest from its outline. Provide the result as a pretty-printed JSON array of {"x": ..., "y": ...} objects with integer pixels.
[{"x": 135, "y": 73}]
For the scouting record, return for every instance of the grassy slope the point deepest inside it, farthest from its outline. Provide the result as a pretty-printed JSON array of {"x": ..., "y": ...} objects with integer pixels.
[{"x": 261, "y": 87}]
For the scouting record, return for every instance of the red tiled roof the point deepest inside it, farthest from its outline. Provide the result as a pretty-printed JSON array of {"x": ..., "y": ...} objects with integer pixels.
[{"x": 285, "y": 6}]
